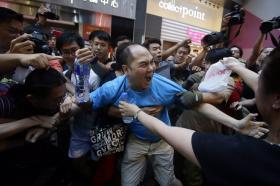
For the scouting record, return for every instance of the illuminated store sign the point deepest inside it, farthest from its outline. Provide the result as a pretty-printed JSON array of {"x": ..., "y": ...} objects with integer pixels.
[
  {"x": 194, "y": 12},
  {"x": 121, "y": 8}
]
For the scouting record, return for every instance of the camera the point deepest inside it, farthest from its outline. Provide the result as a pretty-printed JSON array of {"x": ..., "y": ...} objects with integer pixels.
[
  {"x": 217, "y": 54},
  {"x": 51, "y": 15},
  {"x": 268, "y": 26},
  {"x": 214, "y": 38},
  {"x": 41, "y": 46},
  {"x": 237, "y": 16}
]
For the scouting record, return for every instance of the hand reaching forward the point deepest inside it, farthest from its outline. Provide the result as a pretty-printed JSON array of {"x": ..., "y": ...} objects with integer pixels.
[
  {"x": 252, "y": 128},
  {"x": 39, "y": 61}
]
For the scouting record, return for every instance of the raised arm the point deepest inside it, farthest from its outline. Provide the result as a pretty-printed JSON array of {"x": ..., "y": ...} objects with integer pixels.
[
  {"x": 245, "y": 126},
  {"x": 256, "y": 51},
  {"x": 250, "y": 77},
  {"x": 171, "y": 50},
  {"x": 200, "y": 57}
]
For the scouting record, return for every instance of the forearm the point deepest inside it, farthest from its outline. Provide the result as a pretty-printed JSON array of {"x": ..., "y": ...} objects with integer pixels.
[
  {"x": 248, "y": 76},
  {"x": 9, "y": 62},
  {"x": 215, "y": 114},
  {"x": 179, "y": 138},
  {"x": 11, "y": 128},
  {"x": 170, "y": 51},
  {"x": 212, "y": 98},
  {"x": 100, "y": 69},
  {"x": 183, "y": 65},
  {"x": 256, "y": 51},
  {"x": 199, "y": 59},
  {"x": 248, "y": 102}
]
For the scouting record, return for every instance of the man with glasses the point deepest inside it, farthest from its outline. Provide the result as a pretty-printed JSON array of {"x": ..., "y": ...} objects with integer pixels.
[{"x": 71, "y": 45}]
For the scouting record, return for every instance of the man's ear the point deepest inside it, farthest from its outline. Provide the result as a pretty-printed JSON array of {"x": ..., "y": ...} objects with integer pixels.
[
  {"x": 125, "y": 68},
  {"x": 276, "y": 103}
]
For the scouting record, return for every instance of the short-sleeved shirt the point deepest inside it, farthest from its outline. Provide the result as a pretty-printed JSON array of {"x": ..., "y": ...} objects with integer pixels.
[
  {"x": 161, "y": 92},
  {"x": 180, "y": 75},
  {"x": 237, "y": 160},
  {"x": 165, "y": 69}
]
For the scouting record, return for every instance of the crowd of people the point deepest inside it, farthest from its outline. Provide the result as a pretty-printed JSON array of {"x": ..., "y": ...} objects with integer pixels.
[{"x": 226, "y": 137}]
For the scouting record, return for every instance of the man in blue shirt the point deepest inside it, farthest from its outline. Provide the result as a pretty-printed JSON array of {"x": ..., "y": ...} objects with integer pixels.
[{"x": 148, "y": 90}]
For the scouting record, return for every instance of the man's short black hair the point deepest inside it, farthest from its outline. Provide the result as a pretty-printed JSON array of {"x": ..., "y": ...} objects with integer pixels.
[
  {"x": 68, "y": 38},
  {"x": 121, "y": 38},
  {"x": 216, "y": 54},
  {"x": 187, "y": 47},
  {"x": 40, "y": 82},
  {"x": 148, "y": 42},
  {"x": 7, "y": 15},
  {"x": 123, "y": 54},
  {"x": 100, "y": 34},
  {"x": 239, "y": 48}
]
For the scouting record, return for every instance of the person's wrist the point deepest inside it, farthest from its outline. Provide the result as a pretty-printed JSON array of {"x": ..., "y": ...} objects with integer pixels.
[
  {"x": 233, "y": 67},
  {"x": 31, "y": 122},
  {"x": 136, "y": 114},
  {"x": 198, "y": 97}
]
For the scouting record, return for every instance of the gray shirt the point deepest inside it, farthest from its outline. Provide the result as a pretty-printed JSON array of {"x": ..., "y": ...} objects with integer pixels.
[{"x": 165, "y": 68}]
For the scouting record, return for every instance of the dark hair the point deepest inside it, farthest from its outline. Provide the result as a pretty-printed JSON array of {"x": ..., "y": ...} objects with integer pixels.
[
  {"x": 121, "y": 38},
  {"x": 187, "y": 47},
  {"x": 270, "y": 72},
  {"x": 100, "y": 34},
  {"x": 40, "y": 82},
  {"x": 239, "y": 48},
  {"x": 68, "y": 38},
  {"x": 123, "y": 54},
  {"x": 214, "y": 55},
  {"x": 7, "y": 15},
  {"x": 148, "y": 42}
]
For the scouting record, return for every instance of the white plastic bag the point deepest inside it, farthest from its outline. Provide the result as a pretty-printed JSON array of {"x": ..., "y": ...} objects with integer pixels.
[{"x": 216, "y": 78}]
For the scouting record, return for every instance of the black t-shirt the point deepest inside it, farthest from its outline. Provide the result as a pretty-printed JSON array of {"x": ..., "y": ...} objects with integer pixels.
[{"x": 237, "y": 160}]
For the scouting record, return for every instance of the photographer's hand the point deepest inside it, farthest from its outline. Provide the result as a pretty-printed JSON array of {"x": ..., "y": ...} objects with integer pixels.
[
  {"x": 41, "y": 12},
  {"x": 22, "y": 45}
]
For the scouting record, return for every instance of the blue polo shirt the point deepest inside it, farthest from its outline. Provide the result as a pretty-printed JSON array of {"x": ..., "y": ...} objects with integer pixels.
[{"x": 161, "y": 91}]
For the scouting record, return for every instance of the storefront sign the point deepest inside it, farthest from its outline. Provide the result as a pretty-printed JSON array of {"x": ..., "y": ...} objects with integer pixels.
[
  {"x": 121, "y": 8},
  {"x": 194, "y": 12}
]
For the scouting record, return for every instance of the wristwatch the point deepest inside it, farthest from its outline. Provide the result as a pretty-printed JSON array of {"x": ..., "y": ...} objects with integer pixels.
[{"x": 136, "y": 114}]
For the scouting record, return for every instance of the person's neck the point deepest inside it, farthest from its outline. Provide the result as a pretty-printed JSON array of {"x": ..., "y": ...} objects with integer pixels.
[
  {"x": 274, "y": 132},
  {"x": 157, "y": 64},
  {"x": 102, "y": 60},
  {"x": 136, "y": 88}
]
